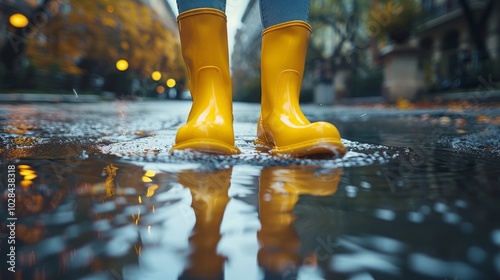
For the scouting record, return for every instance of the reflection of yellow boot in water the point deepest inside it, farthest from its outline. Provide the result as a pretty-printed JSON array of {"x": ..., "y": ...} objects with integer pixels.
[
  {"x": 210, "y": 196},
  {"x": 280, "y": 188}
]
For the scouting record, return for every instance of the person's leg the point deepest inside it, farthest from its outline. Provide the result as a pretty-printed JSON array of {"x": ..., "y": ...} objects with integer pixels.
[
  {"x": 203, "y": 34},
  {"x": 282, "y": 127},
  {"x": 186, "y": 5},
  {"x": 273, "y": 12}
]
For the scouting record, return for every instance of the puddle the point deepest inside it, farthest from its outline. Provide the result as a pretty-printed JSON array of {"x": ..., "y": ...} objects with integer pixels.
[{"x": 119, "y": 206}]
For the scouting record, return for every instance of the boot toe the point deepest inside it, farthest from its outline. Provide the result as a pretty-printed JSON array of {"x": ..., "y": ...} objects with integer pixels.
[
  {"x": 324, "y": 130},
  {"x": 206, "y": 137},
  {"x": 312, "y": 139}
]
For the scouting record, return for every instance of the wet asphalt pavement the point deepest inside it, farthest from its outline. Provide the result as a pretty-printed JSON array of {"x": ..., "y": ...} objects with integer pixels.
[{"x": 99, "y": 196}]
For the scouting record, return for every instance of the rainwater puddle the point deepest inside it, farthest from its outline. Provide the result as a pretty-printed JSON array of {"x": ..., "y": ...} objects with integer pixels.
[{"x": 110, "y": 218}]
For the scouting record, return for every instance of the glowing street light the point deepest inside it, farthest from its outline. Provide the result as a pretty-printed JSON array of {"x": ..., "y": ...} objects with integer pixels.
[
  {"x": 171, "y": 83},
  {"x": 122, "y": 65},
  {"x": 156, "y": 76},
  {"x": 18, "y": 20}
]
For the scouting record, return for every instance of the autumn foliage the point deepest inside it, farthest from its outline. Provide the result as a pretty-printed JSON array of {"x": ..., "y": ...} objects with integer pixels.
[{"x": 104, "y": 31}]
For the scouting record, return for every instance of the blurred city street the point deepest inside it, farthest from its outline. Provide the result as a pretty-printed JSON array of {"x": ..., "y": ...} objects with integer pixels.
[
  {"x": 100, "y": 195},
  {"x": 93, "y": 94}
]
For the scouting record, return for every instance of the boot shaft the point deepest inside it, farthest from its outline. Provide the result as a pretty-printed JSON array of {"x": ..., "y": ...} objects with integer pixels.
[
  {"x": 203, "y": 35},
  {"x": 284, "y": 49},
  {"x": 209, "y": 127}
]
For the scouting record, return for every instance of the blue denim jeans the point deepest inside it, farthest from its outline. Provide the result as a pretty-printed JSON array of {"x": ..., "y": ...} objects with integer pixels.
[{"x": 272, "y": 12}]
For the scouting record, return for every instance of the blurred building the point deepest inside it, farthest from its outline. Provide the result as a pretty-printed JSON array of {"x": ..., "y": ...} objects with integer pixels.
[
  {"x": 245, "y": 59},
  {"x": 450, "y": 58}
]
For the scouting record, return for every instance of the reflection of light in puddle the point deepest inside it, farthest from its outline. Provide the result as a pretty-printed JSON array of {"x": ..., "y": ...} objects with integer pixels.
[
  {"x": 440, "y": 207},
  {"x": 146, "y": 179},
  {"x": 497, "y": 262},
  {"x": 467, "y": 227},
  {"x": 425, "y": 209},
  {"x": 28, "y": 175},
  {"x": 386, "y": 244},
  {"x": 151, "y": 190},
  {"x": 359, "y": 154},
  {"x": 415, "y": 217},
  {"x": 360, "y": 261},
  {"x": 433, "y": 267},
  {"x": 476, "y": 254},
  {"x": 461, "y": 203},
  {"x": 451, "y": 218},
  {"x": 365, "y": 185},
  {"x": 385, "y": 214},
  {"x": 351, "y": 191}
]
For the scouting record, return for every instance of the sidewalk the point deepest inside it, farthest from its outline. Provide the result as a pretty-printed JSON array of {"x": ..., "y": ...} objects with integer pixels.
[
  {"x": 491, "y": 96},
  {"x": 47, "y": 98},
  {"x": 472, "y": 96}
]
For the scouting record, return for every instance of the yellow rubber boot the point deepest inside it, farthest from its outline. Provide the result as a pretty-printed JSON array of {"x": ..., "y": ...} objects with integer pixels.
[
  {"x": 209, "y": 126},
  {"x": 282, "y": 126}
]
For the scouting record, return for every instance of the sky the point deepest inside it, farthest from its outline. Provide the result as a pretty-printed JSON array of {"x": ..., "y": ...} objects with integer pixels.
[{"x": 234, "y": 12}]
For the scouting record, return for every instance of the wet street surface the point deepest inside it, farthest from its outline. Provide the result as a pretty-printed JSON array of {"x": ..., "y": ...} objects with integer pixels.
[{"x": 99, "y": 196}]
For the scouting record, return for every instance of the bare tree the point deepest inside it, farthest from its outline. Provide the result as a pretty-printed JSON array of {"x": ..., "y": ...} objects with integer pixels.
[{"x": 345, "y": 19}]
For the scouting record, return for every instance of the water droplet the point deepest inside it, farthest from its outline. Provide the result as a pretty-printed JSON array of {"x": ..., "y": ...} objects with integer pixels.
[{"x": 385, "y": 214}]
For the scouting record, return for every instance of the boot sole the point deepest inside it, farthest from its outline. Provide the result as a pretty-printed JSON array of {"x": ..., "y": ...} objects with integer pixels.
[
  {"x": 323, "y": 146},
  {"x": 209, "y": 146}
]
